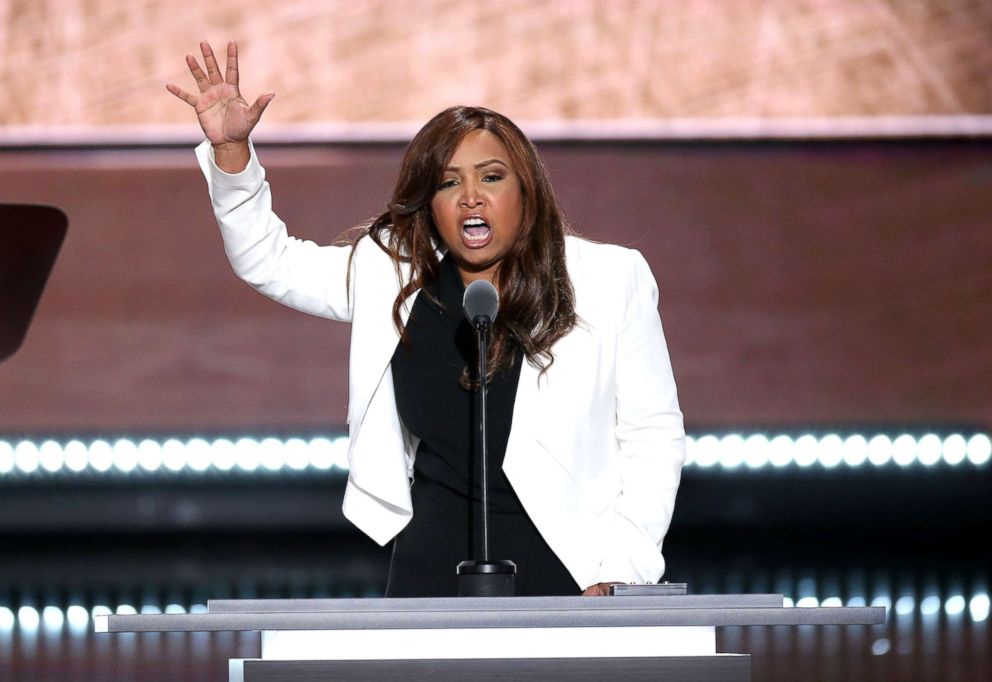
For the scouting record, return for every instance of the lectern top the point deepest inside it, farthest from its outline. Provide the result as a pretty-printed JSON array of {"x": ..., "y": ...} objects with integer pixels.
[
  {"x": 458, "y": 604},
  {"x": 508, "y": 612}
]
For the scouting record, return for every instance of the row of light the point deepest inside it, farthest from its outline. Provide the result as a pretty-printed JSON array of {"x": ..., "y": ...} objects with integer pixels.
[
  {"x": 77, "y": 618},
  {"x": 830, "y": 451},
  {"x": 198, "y": 455}
]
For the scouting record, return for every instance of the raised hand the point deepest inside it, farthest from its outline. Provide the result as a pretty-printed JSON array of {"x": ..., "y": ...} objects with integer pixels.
[{"x": 224, "y": 115}]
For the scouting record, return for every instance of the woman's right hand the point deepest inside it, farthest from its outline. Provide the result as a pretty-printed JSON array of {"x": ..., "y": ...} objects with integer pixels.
[{"x": 224, "y": 115}]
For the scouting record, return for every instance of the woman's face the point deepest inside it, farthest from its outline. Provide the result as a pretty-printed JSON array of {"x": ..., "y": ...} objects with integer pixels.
[{"x": 478, "y": 206}]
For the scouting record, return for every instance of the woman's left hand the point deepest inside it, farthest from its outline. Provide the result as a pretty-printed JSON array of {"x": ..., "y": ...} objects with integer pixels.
[{"x": 598, "y": 590}]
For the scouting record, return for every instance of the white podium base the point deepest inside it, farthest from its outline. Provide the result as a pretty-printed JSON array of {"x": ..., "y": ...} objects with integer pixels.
[{"x": 475, "y": 643}]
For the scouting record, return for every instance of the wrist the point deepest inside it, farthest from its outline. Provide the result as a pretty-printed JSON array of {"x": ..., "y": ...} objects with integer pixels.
[{"x": 231, "y": 157}]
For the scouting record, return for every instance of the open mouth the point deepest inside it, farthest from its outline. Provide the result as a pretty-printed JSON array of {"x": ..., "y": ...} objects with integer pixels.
[{"x": 476, "y": 233}]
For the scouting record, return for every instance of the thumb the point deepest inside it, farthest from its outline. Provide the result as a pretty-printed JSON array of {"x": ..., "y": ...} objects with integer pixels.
[{"x": 256, "y": 109}]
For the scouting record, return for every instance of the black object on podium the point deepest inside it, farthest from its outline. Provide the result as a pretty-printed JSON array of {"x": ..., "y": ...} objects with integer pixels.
[
  {"x": 485, "y": 577},
  {"x": 30, "y": 239}
]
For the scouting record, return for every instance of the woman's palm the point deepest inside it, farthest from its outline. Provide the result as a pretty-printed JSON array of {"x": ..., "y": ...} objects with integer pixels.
[{"x": 224, "y": 115}]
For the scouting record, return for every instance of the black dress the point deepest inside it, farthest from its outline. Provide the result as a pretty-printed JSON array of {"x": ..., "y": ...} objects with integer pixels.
[{"x": 446, "y": 524}]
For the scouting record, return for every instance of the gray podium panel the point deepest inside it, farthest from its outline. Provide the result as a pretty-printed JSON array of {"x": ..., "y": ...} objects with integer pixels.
[
  {"x": 719, "y": 668},
  {"x": 618, "y": 616}
]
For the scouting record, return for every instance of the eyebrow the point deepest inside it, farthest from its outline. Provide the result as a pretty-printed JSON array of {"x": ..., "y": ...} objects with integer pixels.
[{"x": 481, "y": 164}]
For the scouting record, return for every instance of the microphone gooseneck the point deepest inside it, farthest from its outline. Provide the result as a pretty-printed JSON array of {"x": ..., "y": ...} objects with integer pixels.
[
  {"x": 481, "y": 303},
  {"x": 484, "y": 578}
]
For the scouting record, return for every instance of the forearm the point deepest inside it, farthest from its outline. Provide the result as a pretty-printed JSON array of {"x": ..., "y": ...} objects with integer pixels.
[{"x": 297, "y": 273}]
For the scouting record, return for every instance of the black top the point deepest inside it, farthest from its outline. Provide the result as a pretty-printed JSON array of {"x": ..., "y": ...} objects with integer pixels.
[
  {"x": 435, "y": 408},
  {"x": 445, "y": 528}
]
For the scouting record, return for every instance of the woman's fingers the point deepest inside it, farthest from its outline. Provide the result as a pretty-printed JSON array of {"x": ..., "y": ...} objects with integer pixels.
[
  {"x": 232, "y": 64},
  {"x": 181, "y": 94},
  {"x": 213, "y": 71},
  {"x": 194, "y": 68},
  {"x": 256, "y": 109}
]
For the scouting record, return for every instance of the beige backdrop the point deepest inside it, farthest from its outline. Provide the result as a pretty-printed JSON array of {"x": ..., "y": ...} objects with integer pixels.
[{"x": 78, "y": 67}]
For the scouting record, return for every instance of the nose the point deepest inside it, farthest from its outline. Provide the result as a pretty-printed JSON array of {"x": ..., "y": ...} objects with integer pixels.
[{"x": 470, "y": 197}]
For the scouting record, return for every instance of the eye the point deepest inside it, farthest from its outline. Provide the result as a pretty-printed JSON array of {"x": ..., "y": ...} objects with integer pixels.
[
  {"x": 492, "y": 177},
  {"x": 449, "y": 182}
]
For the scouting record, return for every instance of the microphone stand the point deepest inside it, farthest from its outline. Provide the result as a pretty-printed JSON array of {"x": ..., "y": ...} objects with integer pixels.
[{"x": 485, "y": 578}]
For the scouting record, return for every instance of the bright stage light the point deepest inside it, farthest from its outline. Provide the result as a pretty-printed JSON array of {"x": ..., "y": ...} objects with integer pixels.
[
  {"x": 805, "y": 450},
  {"x": 6, "y": 458},
  {"x": 905, "y": 605},
  {"x": 929, "y": 449},
  {"x": 978, "y": 607},
  {"x": 831, "y": 451},
  {"x": 223, "y": 454},
  {"x": 26, "y": 457},
  {"x": 955, "y": 449},
  {"x": 28, "y": 618},
  {"x": 248, "y": 454},
  {"x": 707, "y": 451},
  {"x": 904, "y": 450},
  {"x": 930, "y": 606},
  {"x": 77, "y": 617},
  {"x": 756, "y": 451},
  {"x": 731, "y": 451},
  {"x": 297, "y": 453},
  {"x": 7, "y": 619},
  {"x": 979, "y": 449},
  {"x": 174, "y": 454},
  {"x": 53, "y": 618},
  {"x": 77, "y": 456},
  {"x": 198, "y": 454},
  {"x": 883, "y": 601},
  {"x": 780, "y": 451},
  {"x": 150, "y": 455},
  {"x": 954, "y": 606},
  {"x": 855, "y": 450},
  {"x": 101, "y": 456},
  {"x": 880, "y": 450},
  {"x": 880, "y": 647},
  {"x": 51, "y": 456},
  {"x": 272, "y": 456},
  {"x": 125, "y": 455}
]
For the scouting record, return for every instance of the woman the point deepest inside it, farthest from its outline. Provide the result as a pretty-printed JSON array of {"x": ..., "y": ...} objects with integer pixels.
[{"x": 586, "y": 435}]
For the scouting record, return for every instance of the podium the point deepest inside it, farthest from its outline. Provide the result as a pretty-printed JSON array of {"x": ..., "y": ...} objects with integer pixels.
[{"x": 490, "y": 639}]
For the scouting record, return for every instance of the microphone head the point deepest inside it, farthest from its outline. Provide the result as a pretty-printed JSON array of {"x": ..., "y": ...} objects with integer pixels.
[{"x": 481, "y": 300}]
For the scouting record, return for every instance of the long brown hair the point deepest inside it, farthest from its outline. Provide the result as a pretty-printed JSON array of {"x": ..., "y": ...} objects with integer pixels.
[{"x": 537, "y": 303}]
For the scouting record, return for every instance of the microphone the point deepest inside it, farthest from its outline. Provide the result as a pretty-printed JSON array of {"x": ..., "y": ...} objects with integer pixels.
[
  {"x": 481, "y": 303},
  {"x": 485, "y": 577}
]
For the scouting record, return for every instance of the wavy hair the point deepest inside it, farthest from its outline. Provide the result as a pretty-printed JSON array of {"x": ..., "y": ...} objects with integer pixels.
[{"x": 537, "y": 303}]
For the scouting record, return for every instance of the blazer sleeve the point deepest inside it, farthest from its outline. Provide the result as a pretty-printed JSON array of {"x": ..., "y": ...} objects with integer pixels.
[
  {"x": 294, "y": 272},
  {"x": 650, "y": 435}
]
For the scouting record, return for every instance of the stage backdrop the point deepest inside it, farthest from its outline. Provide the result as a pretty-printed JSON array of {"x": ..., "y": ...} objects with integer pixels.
[{"x": 96, "y": 69}]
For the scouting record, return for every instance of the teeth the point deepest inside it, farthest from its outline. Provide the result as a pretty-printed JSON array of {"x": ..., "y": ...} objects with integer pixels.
[{"x": 474, "y": 222}]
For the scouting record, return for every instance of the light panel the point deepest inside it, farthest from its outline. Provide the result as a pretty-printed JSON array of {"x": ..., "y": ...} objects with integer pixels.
[
  {"x": 78, "y": 618},
  {"x": 195, "y": 456}
]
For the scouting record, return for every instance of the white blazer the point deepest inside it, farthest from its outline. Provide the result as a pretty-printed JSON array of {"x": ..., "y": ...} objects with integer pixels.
[{"x": 597, "y": 444}]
